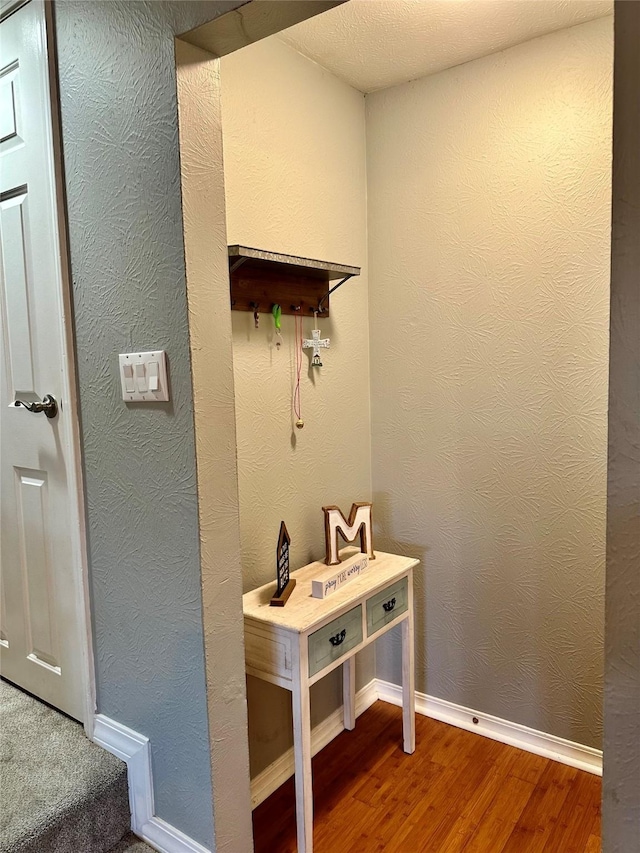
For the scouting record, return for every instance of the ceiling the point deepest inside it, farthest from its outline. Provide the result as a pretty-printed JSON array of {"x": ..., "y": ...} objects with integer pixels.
[{"x": 373, "y": 44}]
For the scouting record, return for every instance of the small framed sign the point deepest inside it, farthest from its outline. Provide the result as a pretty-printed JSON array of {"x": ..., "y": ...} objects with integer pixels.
[{"x": 284, "y": 584}]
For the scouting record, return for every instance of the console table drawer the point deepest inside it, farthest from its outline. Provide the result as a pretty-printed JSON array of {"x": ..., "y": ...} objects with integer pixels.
[
  {"x": 333, "y": 641},
  {"x": 387, "y": 605}
]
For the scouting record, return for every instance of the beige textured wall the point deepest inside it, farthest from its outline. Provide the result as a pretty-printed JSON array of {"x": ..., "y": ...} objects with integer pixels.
[
  {"x": 295, "y": 181},
  {"x": 489, "y": 219},
  {"x": 213, "y": 403}
]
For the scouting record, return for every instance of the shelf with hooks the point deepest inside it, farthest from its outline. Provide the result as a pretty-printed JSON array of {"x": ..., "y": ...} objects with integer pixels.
[{"x": 262, "y": 279}]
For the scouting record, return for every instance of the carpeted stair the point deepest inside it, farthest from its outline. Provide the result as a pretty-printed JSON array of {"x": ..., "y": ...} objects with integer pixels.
[
  {"x": 131, "y": 844},
  {"x": 60, "y": 792}
]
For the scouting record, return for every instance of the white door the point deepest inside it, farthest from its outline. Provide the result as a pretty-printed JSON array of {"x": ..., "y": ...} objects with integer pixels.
[{"x": 44, "y": 643}]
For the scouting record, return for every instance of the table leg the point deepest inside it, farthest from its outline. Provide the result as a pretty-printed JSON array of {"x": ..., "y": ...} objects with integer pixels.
[
  {"x": 408, "y": 683},
  {"x": 302, "y": 755},
  {"x": 349, "y": 692}
]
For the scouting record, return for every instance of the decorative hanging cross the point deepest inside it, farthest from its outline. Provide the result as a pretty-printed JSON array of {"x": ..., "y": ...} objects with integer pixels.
[{"x": 316, "y": 343}]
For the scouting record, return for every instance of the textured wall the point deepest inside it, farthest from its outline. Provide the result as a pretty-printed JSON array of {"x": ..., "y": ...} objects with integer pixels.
[
  {"x": 215, "y": 429},
  {"x": 621, "y": 799},
  {"x": 489, "y": 270},
  {"x": 294, "y": 156},
  {"x": 119, "y": 122}
]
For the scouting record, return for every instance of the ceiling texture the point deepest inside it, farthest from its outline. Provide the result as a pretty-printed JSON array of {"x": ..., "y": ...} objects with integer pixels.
[{"x": 374, "y": 44}]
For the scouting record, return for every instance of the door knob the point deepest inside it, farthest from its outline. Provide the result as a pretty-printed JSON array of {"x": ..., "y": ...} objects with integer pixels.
[{"x": 47, "y": 405}]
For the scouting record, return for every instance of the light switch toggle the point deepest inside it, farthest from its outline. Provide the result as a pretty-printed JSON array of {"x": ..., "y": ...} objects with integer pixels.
[
  {"x": 127, "y": 374},
  {"x": 152, "y": 375},
  {"x": 143, "y": 377}
]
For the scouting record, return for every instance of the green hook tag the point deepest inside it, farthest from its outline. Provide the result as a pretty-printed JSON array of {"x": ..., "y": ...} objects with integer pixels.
[{"x": 277, "y": 313}]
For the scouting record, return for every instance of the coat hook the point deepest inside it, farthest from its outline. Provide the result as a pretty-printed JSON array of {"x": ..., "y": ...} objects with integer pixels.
[{"x": 256, "y": 315}]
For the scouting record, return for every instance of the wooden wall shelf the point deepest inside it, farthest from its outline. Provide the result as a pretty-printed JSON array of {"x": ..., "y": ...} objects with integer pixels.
[{"x": 260, "y": 280}]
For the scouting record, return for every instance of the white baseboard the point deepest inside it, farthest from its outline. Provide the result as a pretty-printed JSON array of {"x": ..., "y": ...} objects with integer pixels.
[
  {"x": 134, "y": 749},
  {"x": 167, "y": 839},
  {"x": 270, "y": 779},
  {"x": 549, "y": 746}
]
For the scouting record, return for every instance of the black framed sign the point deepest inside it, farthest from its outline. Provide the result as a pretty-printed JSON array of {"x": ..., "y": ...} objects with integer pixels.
[{"x": 284, "y": 584}]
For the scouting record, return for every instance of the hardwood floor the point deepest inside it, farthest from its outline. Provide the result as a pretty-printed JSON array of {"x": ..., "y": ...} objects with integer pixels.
[{"x": 458, "y": 792}]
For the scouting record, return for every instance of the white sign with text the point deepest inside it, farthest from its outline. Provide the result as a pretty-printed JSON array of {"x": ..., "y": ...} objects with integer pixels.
[{"x": 330, "y": 581}]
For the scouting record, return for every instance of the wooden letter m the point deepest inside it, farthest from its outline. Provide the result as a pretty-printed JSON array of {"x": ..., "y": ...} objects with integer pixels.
[{"x": 359, "y": 522}]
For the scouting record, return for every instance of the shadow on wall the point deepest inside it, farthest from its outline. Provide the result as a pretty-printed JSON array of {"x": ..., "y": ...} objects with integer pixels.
[{"x": 389, "y": 647}]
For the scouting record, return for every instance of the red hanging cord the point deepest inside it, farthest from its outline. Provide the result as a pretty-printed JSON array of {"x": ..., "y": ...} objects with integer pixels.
[{"x": 297, "y": 410}]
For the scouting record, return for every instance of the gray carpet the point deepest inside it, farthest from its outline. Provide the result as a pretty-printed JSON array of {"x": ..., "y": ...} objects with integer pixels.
[
  {"x": 131, "y": 844},
  {"x": 60, "y": 793}
]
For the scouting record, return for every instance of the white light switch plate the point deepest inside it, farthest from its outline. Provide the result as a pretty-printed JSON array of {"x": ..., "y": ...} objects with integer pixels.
[{"x": 143, "y": 377}]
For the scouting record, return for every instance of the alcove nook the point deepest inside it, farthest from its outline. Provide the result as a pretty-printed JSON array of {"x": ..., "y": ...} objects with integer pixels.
[{"x": 465, "y": 387}]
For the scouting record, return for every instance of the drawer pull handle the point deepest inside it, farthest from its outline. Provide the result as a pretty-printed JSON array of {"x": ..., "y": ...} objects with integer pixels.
[
  {"x": 389, "y": 605},
  {"x": 339, "y": 638}
]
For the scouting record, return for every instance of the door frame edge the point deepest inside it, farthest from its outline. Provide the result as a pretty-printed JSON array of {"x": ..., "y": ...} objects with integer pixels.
[{"x": 77, "y": 503}]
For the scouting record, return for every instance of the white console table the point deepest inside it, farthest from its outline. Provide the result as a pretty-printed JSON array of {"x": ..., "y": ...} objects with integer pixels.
[{"x": 296, "y": 645}]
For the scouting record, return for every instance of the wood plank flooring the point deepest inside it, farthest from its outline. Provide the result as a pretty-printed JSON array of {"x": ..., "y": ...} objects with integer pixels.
[{"x": 458, "y": 792}]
